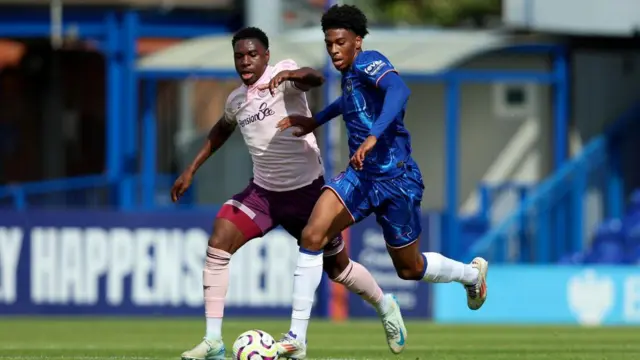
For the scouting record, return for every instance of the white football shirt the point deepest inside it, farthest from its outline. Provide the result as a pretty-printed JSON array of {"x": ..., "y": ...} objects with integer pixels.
[{"x": 281, "y": 161}]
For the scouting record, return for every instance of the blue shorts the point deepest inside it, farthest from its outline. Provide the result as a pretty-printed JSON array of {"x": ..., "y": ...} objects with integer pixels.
[{"x": 395, "y": 201}]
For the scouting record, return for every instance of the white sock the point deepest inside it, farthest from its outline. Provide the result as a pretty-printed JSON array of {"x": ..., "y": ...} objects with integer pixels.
[
  {"x": 441, "y": 269},
  {"x": 214, "y": 328},
  {"x": 305, "y": 282},
  {"x": 383, "y": 306}
]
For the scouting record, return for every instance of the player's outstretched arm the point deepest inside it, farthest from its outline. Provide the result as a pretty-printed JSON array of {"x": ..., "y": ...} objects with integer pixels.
[
  {"x": 330, "y": 112},
  {"x": 218, "y": 135},
  {"x": 306, "y": 78},
  {"x": 303, "y": 79},
  {"x": 309, "y": 124}
]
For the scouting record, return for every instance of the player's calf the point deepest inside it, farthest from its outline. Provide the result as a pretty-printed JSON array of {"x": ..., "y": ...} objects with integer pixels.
[{"x": 411, "y": 271}]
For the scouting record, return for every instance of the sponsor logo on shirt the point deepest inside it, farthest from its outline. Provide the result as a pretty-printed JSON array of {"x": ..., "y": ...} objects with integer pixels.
[
  {"x": 262, "y": 113},
  {"x": 374, "y": 67}
]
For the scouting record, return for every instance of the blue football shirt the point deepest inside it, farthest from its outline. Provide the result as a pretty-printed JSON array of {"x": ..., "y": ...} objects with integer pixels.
[{"x": 361, "y": 105}]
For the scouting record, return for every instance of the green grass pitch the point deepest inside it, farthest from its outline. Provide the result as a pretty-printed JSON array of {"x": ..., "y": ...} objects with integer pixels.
[{"x": 151, "y": 339}]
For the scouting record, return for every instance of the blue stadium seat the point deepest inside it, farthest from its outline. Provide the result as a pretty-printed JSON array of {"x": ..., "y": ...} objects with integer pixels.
[
  {"x": 634, "y": 202},
  {"x": 633, "y": 254},
  {"x": 608, "y": 244},
  {"x": 631, "y": 229},
  {"x": 573, "y": 259}
]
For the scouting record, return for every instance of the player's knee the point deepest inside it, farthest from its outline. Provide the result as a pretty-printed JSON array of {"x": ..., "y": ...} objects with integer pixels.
[
  {"x": 226, "y": 238},
  {"x": 220, "y": 243},
  {"x": 409, "y": 272},
  {"x": 312, "y": 238}
]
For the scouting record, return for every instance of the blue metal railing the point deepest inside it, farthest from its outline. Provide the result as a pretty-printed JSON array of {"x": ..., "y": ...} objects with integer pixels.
[
  {"x": 489, "y": 192},
  {"x": 97, "y": 190},
  {"x": 19, "y": 193},
  {"x": 550, "y": 222}
]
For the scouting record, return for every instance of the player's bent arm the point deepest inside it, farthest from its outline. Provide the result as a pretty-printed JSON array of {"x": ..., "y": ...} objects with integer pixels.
[
  {"x": 395, "y": 98},
  {"x": 218, "y": 135},
  {"x": 330, "y": 112},
  {"x": 306, "y": 78}
]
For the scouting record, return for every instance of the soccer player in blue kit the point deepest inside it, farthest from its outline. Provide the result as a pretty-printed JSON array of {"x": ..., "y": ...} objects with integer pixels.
[{"x": 382, "y": 179}]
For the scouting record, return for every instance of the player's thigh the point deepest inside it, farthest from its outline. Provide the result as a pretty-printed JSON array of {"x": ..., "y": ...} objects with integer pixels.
[
  {"x": 242, "y": 218},
  {"x": 401, "y": 228},
  {"x": 398, "y": 207},
  {"x": 351, "y": 192},
  {"x": 328, "y": 218},
  {"x": 294, "y": 209},
  {"x": 400, "y": 218}
]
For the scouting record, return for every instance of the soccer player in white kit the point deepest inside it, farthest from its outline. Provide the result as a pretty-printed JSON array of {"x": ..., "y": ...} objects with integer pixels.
[{"x": 288, "y": 178}]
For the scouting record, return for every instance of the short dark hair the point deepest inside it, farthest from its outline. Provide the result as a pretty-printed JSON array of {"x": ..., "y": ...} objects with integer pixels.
[
  {"x": 251, "y": 33},
  {"x": 345, "y": 17}
]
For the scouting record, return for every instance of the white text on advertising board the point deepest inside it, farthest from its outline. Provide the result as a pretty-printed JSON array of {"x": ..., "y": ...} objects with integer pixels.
[{"x": 155, "y": 266}]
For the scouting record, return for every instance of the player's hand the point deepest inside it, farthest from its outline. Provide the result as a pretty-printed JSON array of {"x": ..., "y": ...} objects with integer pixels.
[
  {"x": 304, "y": 123},
  {"x": 181, "y": 185},
  {"x": 357, "y": 160},
  {"x": 276, "y": 81}
]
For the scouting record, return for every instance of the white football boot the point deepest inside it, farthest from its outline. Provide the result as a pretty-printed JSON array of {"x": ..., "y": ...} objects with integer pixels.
[
  {"x": 477, "y": 293},
  {"x": 393, "y": 325},
  {"x": 291, "y": 348},
  {"x": 206, "y": 350}
]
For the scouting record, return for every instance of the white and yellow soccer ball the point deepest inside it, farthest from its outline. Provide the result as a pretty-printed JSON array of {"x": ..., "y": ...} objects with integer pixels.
[{"x": 255, "y": 345}]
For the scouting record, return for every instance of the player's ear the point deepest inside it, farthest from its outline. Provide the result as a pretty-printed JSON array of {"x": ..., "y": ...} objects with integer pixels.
[
  {"x": 267, "y": 55},
  {"x": 358, "y": 42}
]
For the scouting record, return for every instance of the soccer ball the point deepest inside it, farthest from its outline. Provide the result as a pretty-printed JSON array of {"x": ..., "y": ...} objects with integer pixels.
[{"x": 255, "y": 345}]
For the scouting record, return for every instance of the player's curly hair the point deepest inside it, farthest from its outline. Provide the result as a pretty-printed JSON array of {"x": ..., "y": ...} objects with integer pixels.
[
  {"x": 251, "y": 33},
  {"x": 345, "y": 17}
]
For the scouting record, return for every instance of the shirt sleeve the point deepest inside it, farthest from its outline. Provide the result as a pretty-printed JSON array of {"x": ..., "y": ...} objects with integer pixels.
[
  {"x": 396, "y": 94},
  {"x": 330, "y": 112},
  {"x": 371, "y": 66},
  {"x": 289, "y": 86}
]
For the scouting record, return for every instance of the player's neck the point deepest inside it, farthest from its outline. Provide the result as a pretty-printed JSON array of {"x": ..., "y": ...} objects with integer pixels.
[{"x": 355, "y": 56}]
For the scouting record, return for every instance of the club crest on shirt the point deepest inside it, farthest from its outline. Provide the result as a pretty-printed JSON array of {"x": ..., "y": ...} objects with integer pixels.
[
  {"x": 348, "y": 85},
  {"x": 263, "y": 93}
]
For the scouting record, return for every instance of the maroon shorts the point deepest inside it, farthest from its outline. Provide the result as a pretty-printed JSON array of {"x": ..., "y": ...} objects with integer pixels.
[{"x": 256, "y": 211}]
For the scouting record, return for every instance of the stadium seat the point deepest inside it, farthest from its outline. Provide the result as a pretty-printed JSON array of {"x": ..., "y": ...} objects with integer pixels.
[
  {"x": 633, "y": 254},
  {"x": 634, "y": 202},
  {"x": 577, "y": 258},
  {"x": 608, "y": 244}
]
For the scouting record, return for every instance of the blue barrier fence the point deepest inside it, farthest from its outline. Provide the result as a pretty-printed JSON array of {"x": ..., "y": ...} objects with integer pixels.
[
  {"x": 94, "y": 191},
  {"x": 561, "y": 213}
]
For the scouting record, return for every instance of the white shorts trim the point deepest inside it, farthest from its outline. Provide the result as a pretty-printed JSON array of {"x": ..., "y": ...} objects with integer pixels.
[{"x": 242, "y": 207}]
